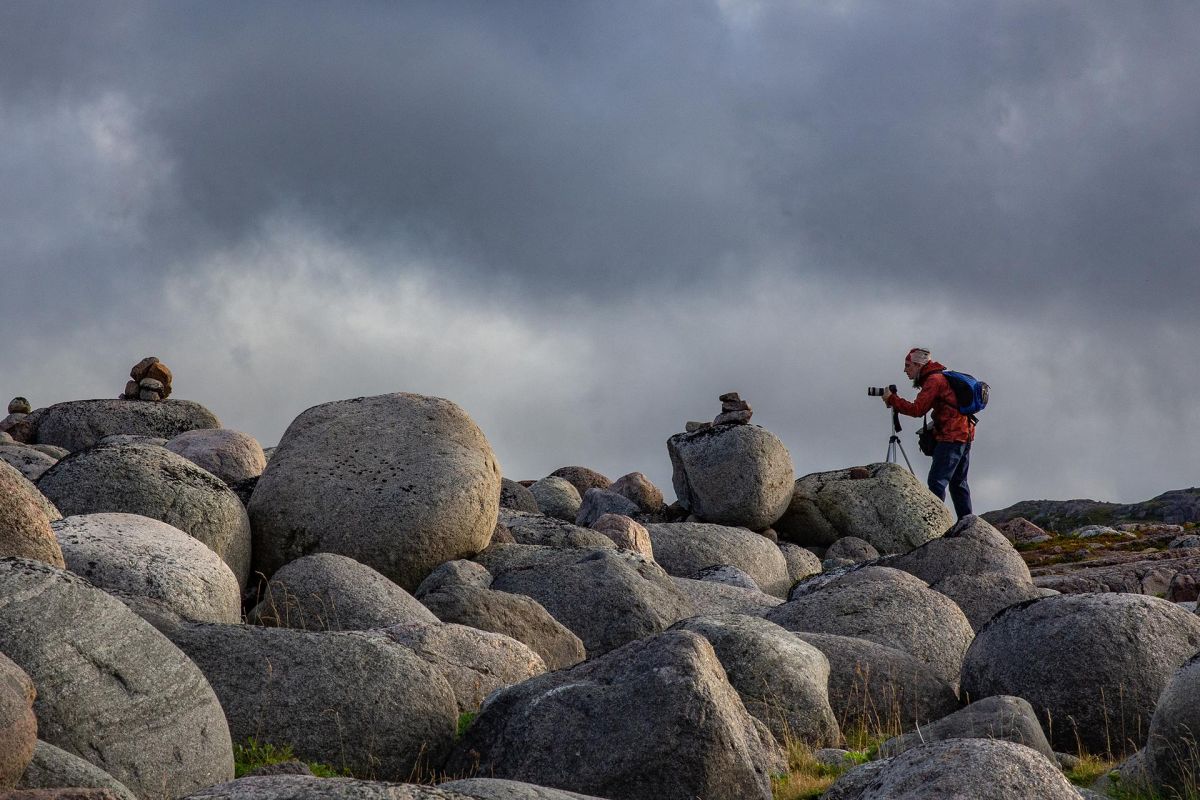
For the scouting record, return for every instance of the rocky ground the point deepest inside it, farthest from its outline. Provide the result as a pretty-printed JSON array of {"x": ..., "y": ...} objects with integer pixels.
[{"x": 372, "y": 609}]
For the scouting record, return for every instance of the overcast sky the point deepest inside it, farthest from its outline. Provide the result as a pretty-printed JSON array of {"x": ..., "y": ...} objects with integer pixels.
[{"x": 584, "y": 221}]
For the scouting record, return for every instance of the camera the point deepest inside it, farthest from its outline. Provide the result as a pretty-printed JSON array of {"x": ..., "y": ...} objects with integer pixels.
[{"x": 877, "y": 391}]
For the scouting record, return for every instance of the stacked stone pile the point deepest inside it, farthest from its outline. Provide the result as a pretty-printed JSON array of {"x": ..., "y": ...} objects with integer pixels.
[
  {"x": 734, "y": 411},
  {"x": 150, "y": 380},
  {"x": 396, "y": 584},
  {"x": 18, "y": 409}
]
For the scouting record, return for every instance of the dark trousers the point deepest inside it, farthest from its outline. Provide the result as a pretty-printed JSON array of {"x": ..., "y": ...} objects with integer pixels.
[{"x": 950, "y": 463}]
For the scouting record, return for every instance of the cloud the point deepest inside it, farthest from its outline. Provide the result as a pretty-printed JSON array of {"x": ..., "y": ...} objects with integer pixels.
[{"x": 584, "y": 222}]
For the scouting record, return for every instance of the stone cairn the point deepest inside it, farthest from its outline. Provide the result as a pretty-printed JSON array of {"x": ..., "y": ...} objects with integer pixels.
[
  {"x": 151, "y": 380},
  {"x": 18, "y": 409},
  {"x": 734, "y": 411}
]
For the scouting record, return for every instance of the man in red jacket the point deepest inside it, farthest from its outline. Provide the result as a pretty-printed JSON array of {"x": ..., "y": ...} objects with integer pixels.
[{"x": 952, "y": 430}]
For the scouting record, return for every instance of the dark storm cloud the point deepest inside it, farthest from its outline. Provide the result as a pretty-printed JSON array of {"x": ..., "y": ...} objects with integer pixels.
[{"x": 595, "y": 148}]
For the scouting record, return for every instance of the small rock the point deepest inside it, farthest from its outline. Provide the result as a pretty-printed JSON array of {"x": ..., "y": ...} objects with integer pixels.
[
  {"x": 692, "y": 426},
  {"x": 641, "y": 490},
  {"x": 1191, "y": 540},
  {"x": 142, "y": 368},
  {"x": 19, "y": 405},
  {"x": 625, "y": 533},
  {"x": 859, "y": 473},
  {"x": 733, "y": 418}
]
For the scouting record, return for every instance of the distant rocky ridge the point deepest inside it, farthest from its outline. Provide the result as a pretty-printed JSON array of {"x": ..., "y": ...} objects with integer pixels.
[{"x": 1176, "y": 507}]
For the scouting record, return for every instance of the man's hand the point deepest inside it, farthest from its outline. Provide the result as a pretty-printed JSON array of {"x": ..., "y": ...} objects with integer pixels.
[{"x": 887, "y": 395}]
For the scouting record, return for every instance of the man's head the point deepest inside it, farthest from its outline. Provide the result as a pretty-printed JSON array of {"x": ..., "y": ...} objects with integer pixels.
[{"x": 916, "y": 358}]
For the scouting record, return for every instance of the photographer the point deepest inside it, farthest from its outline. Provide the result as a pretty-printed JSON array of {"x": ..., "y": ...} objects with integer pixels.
[{"x": 953, "y": 431}]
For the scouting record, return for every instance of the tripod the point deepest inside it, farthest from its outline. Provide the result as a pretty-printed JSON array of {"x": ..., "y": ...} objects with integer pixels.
[{"x": 894, "y": 443}]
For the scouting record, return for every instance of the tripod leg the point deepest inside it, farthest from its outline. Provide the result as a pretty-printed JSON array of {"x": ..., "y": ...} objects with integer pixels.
[{"x": 906, "y": 461}]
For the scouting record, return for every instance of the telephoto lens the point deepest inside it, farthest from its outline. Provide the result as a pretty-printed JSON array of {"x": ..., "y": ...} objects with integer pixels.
[{"x": 874, "y": 391}]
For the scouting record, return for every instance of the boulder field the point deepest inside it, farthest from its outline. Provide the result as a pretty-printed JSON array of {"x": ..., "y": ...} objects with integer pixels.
[{"x": 374, "y": 599}]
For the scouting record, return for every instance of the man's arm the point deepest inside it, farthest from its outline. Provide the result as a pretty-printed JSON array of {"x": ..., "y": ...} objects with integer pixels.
[{"x": 924, "y": 402}]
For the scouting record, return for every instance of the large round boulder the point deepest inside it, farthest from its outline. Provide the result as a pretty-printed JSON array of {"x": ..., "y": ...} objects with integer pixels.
[
  {"x": 1173, "y": 746},
  {"x": 878, "y": 688},
  {"x": 24, "y": 522},
  {"x": 148, "y": 480},
  {"x": 347, "y": 699},
  {"x": 1091, "y": 665},
  {"x": 18, "y": 725},
  {"x": 557, "y": 497},
  {"x": 79, "y": 424},
  {"x": 971, "y": 547},
  {"x": 328, "y": 592},
  {"x": 662, "y": 721},
  {"x": 475, "y": 663},
  {"x": 732, "y": 475},
  {"x": 598, "y": 502},
  {"x": 685, "y": 548},
  {"x": 128, "y": 554},
  {"x": 801, "y": 563},
  {"x": 889, "y": 607},
  {"x": 980, "y": 769},
  {"x": 782, "y": 680},
  {"x": 889, "y": 507},
  {"x": 641, "y": 490},
  {"x": 582, "y": 478},
  {"x": 626, "y": 533},
  {"x": 607, "y": 597},
  {"x": 111, "y": 689},
  {"x": 399, "y": 482},
  {"x": 460, "y": 592},
  {"x": 517, "y": 497},
  {"x": 230, "y": 455}
]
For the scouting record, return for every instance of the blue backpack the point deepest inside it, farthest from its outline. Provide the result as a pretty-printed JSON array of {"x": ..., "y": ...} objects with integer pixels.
[{"x": 971, "y": 394}]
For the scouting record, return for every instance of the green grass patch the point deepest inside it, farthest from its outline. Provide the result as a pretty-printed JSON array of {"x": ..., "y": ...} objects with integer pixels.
[
  {"x": 1089, "y": 769},
  {"x": 253, "y": 754},
  {"x": 464, "y": 721}
]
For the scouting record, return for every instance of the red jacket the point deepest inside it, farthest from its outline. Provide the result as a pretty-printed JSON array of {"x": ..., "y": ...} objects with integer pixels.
[{"x": 937, "y": 396}]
